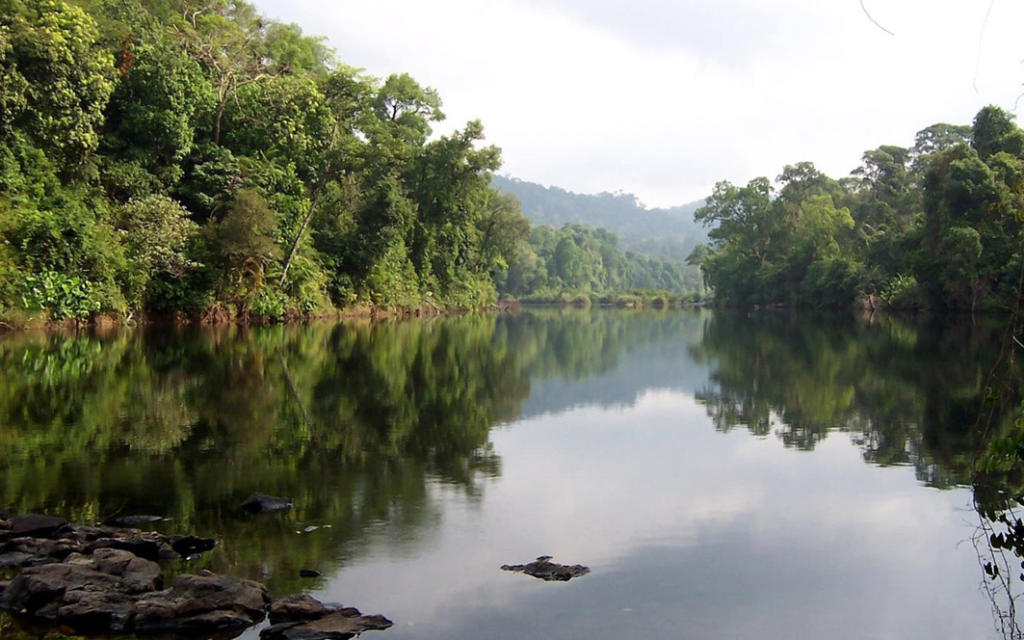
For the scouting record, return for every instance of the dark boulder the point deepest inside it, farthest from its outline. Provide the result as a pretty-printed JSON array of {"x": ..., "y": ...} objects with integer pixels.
[
  {"x": 302, "y": 607},
  {"x": 137, "y": 575},
  {"x": 202, "y": 604},
  {"x": 14, "y": 559},
  {"x": 113, "y": 590},
  {"x": 302, "y": 617},
  {"x": 335, "y": 626},
  {"x": 309, "y": 573},
  {"x": 150, "y": 544},
  {"x": 297, "y": 607},
  {"x": 87, "y": 611},
  {"x": 91, "y": 588},
  {"x": 191, "y": 545},
  {"x": 34, "y": 525},
  {"x": 144, "y": 547},
  {"x": 262, "y": 503},
  {"x": 544, "y": 569},
  {"x": 44, "y": 540},
  {"x": 26, "y": 552}
]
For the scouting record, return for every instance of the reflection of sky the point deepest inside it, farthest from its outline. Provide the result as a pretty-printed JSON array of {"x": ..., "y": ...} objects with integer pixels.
[
  {"x": 689, "y": 532},
  {"x": 664, "y": 363}
]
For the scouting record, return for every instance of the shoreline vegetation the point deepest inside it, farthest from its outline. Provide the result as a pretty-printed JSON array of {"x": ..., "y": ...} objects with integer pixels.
[
  {"x": 626, "y": 300},
  {"x": 195, "y": 161},
  {"x": 936, "y": 227}
]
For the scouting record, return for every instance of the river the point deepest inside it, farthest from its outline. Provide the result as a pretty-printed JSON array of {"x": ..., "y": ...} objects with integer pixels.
[{"x": 723, "y": 475}]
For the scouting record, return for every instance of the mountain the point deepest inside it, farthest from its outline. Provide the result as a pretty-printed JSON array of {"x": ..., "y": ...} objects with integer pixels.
[{"x": 671, "y": 233}]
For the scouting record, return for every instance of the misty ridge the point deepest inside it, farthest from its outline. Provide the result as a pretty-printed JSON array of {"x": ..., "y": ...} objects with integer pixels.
[{"x": 669, "y": 233}]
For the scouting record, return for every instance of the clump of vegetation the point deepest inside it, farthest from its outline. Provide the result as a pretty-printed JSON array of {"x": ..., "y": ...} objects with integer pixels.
[
  {"x": 933, "y": 226},
  {"x": 211, "y": 161},
  {"x": 580, "y": 259}
]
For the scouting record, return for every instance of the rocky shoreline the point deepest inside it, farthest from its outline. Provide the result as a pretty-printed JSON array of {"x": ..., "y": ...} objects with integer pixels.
[{"x": 97, "y": 579}]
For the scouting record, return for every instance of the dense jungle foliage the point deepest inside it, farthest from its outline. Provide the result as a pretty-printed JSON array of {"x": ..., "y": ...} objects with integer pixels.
[
  {"x": 192, "y": 157},
  {"x": 936, "y": 225}
]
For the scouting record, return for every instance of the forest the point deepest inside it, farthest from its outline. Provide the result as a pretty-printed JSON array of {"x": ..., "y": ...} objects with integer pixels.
[
  {"x": 578, "y": 262},
  {"x": 668, "y": 233},
  {"x": 195, "y": 159},
  {"x": 935, "y": 226},
  {"x": 171, "y": 157}
]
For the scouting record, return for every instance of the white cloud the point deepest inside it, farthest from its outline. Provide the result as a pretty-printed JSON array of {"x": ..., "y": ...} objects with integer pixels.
[{"x": 666, "y": 98}]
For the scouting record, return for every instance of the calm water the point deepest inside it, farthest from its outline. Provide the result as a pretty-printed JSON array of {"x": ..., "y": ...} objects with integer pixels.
[{"x": 723, "y": 475}]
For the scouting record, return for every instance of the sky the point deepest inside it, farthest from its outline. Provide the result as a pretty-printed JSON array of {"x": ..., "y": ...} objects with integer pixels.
[{"x": 663, "y": 98}]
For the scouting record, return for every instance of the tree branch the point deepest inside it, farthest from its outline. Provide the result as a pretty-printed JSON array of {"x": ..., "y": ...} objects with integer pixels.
[{"x": 872, "y": 19}]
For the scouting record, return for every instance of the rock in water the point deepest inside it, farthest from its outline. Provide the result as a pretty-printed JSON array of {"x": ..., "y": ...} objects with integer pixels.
[
  {"x": 296, "y": 608},
  {"x": 190, "y": 545},
  {"x": 335, "y": 626},
  {"x": 309, "y": 573},
  {"x": 262, "y": 503},
  {"x": 302, "y": 617},
  {"x": 137, "y": 574},
  {"x": 34, "y": 525},
  {"x": 544, "y": 569},
  {"x": 115, "y": 591},
  {"x": 34, "y": 540},
  {"x": 202, "y": 604},
  {"x": 135, "y": 521},
  {"x": 87, "y": 593}
]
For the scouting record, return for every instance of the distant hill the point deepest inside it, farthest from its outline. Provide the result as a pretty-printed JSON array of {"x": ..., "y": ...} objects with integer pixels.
[{"x": 671, "y": 233}]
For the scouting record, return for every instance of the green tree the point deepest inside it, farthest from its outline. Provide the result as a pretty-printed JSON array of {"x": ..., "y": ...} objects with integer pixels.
[
  {"x": 56, "y": 80},
  {"x": 157, "y": 233}
]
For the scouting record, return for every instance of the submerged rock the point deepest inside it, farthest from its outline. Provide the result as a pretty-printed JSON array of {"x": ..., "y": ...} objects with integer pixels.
[
  {"x": 303, "y": 617},
  {"x": 136, "y": 521},
  {"x": 544, "y": 569},
  {"x": 262, "y": 503}
]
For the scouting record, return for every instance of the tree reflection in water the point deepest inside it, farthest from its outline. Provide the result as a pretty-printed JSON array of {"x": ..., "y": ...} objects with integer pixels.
[
  {"x": 360, "y": 424},
  {"x": 941, "y": 396}
]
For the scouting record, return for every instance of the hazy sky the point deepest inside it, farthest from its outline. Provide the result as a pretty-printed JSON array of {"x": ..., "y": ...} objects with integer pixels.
[{"x": 663, "y": 98}]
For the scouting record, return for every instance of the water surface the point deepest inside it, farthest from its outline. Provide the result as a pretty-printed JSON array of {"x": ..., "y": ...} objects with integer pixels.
[{"x": 723, "y": 475}]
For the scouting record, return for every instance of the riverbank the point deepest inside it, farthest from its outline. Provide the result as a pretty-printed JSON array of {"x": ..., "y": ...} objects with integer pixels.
[{"x": 102, "y": 321}]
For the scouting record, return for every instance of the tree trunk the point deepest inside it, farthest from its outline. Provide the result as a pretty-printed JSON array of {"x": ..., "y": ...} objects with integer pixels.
[
  {"x": 216, "y": 121},
  {"x": 302, "y": 229}
]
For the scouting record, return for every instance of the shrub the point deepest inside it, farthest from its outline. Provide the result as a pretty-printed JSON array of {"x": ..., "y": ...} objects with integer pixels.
[{"x": 61, "y": 295}]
